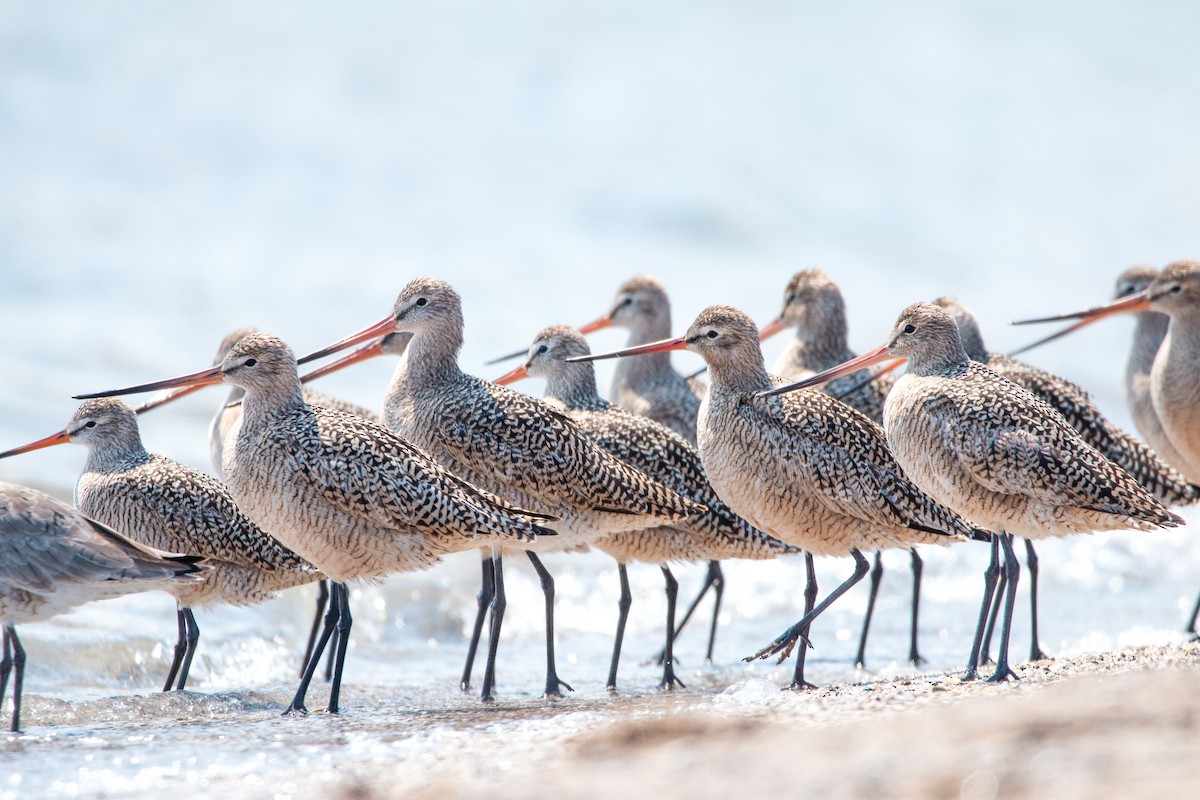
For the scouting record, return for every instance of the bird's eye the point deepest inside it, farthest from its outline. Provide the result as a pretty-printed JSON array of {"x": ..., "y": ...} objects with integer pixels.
[
  {"x": 713, "y": 334},
  {"x": 910, "y": 328},
  {"x": 542, "y": 348},
  {"x": 1176, "y": 289},
  {"x": 421, "y": 301},
  {"x": 91, "y": 423},
  {"x": 250, "y": 362},
  {"x": 791, "y": 298},
  {"x": 627, "y": 301}
]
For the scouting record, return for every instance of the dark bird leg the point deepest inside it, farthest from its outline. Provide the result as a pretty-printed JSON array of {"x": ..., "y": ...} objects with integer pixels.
[
  {"x": 6, "y": 662},
  {"x": 499, "y": 602},
  {"x": 669, "y": 681},
  {"x": 554, "y": 686},
  {"x": 810, "y": 602},
  {"x": 11, "y": 641},
  {"x": 1031, "y": 562},
  {"x": 985, "y": 654},
  {"x": 623, "y": 604},
  {"x": 876, "y": 577},
  {"x": 331, "y": 618},
  {"x": 344, "y": 622},
  {"x": 918, "y": 566},
  {"x": 193, "y": 638},
  {"x": 1012, "y": 569},
  {"x": 180, "y": 649},
  {"x": 322, "y": 598},
  {"x": 783, "y": 644},
  {"x": 990, "y": 575},
  {"x": 487, "y": 589},
  {"x": 1191, "y": 627},
  {"x": 714, "y": 579}
]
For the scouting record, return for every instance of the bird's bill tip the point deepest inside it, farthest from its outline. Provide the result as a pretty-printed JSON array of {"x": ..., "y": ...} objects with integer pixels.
[
  {"x": 62, "y": 437},
  {"x": 371, "y": 350},
  {"x": 597, "y": 324},
  {"x": 505, "y": 357},
  {"x": 169, "y": 396},
  {"x": 1139, "y": 301},
  {"x": 876, "y": 356},
  {"x": 663, "y": 346},
  {"x": 773, "y": 327},
  {"x": 518, "y": 374},
  {"x": 207, "y": 377},
  {"x": 377, "y": 331}
]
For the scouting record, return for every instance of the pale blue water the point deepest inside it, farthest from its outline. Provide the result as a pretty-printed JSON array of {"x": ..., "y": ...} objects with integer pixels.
[{"x": 168, "y": 173}]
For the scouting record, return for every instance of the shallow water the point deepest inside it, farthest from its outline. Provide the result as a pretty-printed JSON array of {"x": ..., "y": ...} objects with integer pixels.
[{"x": 170, "y": 173}]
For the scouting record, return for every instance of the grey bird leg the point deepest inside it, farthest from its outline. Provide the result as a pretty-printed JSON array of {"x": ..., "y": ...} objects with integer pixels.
[
  {"x": 990, "y": 576},
  {"x": 499, "y": 602},
  {"x": 1031, "y": 562},
  {"x": 6, "y": 663},
  {"x": 985, "y": 653},
  {"x": 810, "y": 601},
  {"x": 554, "y": 685},
  {"x": 918, "y": 566},
  {"x": 331, "y": 618},
  {"x": 193, "y": 638},
  {"x": 180, "y": 649},
  {"x": 1012, "y": 568},
  {"x": 876, "y": 577},
  {"x": 487, "y": 589},
  {"x": 1191, "y": 628},
  {"x": 322, "y": 598},
  {"x": 669, "y": 681},
  {"x": 344, "y": 622},
  {"x": 783, "y": 644},
  {"x": 623, "y": 604},
  {"x": 714, "y": 579}
]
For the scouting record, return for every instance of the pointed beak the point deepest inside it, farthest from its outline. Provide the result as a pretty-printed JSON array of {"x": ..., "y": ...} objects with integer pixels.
[
  {"x": 518, "y": 374},
  {"x": 206, "y": 377},
  {"x": 697, "y": 373},
  {"x": 371, "y": 350},
  {"x": 1083, "y": 323},
  {"x": 377, "y": 331},
  {"x": 596, "y": 325},
  {"x": 62, "y": 437},
  {"x": 771, "y": 328},
  {"x": 1134, "y": 302},
  {"x": 645, "y": 349},
  {"x": 168, "y": 397},
  {"x": 876, "y": 356},
  {"x": 867, "y": 381},
  {"x": 506, "y": 357}
]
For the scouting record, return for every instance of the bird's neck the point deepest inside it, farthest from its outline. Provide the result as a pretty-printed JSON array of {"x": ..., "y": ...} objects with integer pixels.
[{"x": 574, "y": 385}]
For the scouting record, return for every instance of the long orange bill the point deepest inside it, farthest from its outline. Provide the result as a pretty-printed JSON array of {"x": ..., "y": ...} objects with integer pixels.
[
  {"x": 596, "y": 325},
  {"x": 641, "y": 350},
  {"x": 518, "y": 374},
  {"x": 506, "y": 357},
  {"x": 378, "y": 330},
  {"x": 207, "y": 377},
  {"x": 375, "y": 348},
  {"x": 876, "y": 356},
  {"x": 62, "y": 437},
  {"x": 1134, "y": 302},
  {"x": 168, "y": 397},
  {"x": 773, "y": 327},
  {"x": 1083, "y": 323},
  {"x": 870, "y": 379}
]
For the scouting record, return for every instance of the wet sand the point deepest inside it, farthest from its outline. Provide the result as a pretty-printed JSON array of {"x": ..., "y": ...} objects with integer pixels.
[{"x": 1122, "y": 723}]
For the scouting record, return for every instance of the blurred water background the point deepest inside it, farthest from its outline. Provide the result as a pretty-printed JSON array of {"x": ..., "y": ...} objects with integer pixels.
[{"x": 171, "y": 172}]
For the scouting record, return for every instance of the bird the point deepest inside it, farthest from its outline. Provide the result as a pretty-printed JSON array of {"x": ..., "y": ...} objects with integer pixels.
[
  {"x": 813, "y": 305},
  {"x": 345, "y": 493},
  {"x": 171, "y": 507},
  {"x": 652, "y": 388},
  {"x": 807, "y": 469},
  {"x": 1163, "y": 482},
  {"x": 509, "y": 443},
  {"x": 228, "y": 416},
  {"x": 994, "y": 453},
  {"x": 659, "y": 452},
  {"x": 54, "y": 558}
]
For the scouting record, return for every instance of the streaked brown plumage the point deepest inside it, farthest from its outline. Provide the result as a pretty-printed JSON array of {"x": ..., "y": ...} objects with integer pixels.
[
  {"x": 717, "y": 533},
  {"x": 807, "y": 469},
  {"x": 171, "y": 507},
  {"x": 53, "y": 558},
  {"x": 345, "y": 493}
]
